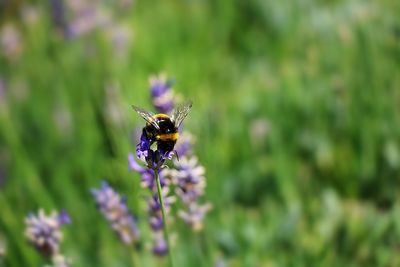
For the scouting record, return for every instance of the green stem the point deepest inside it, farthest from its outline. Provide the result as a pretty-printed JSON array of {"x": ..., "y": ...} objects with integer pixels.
[
  {"x": 164, "y": 217},
  {"x": 133, "y": 259}
]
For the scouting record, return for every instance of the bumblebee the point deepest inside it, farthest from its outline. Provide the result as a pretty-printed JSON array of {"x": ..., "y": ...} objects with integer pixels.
[{"x": 162, "y": 128}]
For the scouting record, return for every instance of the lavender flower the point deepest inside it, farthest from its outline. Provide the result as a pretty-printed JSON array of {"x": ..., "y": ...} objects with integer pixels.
[
  {"x": 148, "y": 180},
  {"x": 190, "y": 183},
  {"x": 258, "y": 130},
  {"x": 195, "y": 214},
  {"x": 184, "y": 144},
  {"x": 160, "y": 245},
  {"x": 152, "y": 178},
  {"x": 44, "y": 232},
  {"x": 87, "y": 19},
  {"x": 147, "y": 175},
  {"x": 58, "y": 15},
  {"x": 64, "y": 218},
  {"x": 78, "y": 18},
  {"x": 120, "y": 36},
  {"x": 189, "y": 179},
  {"x": 10, "y": 41},
  {"x": 154, "y": 158},
  {"x": 116, "y": 212},
  {"x": 142, "y": 150},
  {"x": 154, "y": 208},
  {"x": 161, "y": 93}
]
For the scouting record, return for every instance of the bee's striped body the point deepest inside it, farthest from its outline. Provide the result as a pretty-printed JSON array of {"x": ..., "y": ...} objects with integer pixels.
[
  {"x": 163, "y": 129},
  {"x": 167, "y": 134}
]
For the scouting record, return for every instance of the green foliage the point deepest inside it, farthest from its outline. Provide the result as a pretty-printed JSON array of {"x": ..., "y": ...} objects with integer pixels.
[{"x": 296, "y": 114}]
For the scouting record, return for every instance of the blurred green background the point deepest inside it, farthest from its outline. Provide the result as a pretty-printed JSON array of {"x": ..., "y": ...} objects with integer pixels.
[{"x": 296, "y": 114}]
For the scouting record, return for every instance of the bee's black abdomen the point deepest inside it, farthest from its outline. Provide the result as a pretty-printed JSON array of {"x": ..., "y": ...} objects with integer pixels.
[
  {"x": 166, "y": 146},
  {"x": 165, "y": 136}
]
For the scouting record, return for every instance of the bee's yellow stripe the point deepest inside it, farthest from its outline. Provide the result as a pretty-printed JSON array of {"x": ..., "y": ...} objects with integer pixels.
[
  {"x": 168, "y": 137},
  {"x": 161, "y": 116}
]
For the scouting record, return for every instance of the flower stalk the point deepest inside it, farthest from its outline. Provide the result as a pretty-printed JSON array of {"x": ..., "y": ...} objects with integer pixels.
[
  {"x": 164, "y": 217},
  {"x": 186, "y": 178}
]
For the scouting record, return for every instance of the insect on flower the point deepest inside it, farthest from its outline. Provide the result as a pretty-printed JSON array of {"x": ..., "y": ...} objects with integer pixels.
[{"x": 162, "y": 129}]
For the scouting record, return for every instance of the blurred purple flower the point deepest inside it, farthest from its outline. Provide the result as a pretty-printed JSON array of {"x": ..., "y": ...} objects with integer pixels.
[
  {"x": 64, "y": 218},
  {"x": 189, "y": 179},
  {"x": 154, "y": 208},
  {"x": 190, "y": 183},
  {"x": 58, "y": 15},
  {"x": 184, "y": 144},
  {"x": 10, "y": 41},
  {"x": 195, "y": 214},
  {"x": 88, "y": 19},
  {"x": 161, "y": 93},
  {"x": 147, "y": 175},
  {"x": 120, "y": 36},
  {"x": 116, "y": 212},
  {"x": 160, "y": 246},
  {"x": 43, "y": 231},
  {"x": 259, "y": 130}
]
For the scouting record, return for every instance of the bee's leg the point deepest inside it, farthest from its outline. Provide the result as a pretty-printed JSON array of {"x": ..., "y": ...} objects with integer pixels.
[{"x": 176, "y": 154}]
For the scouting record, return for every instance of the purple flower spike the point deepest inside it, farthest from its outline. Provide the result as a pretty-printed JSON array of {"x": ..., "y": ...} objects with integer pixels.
[
  {"x": 189, "y": 178},
  {"x": 58, "y": 15},
  {"x": 113, "y": 207},
  {"x": 154, "y": 209},
  {"x": 10, "y": 41},
  {"x": 43, "y": 232},
  {"x": 154, "y": 159},
  {"x": 143, "y": 147},
  {"x": 161, "y": 93},
  {"x": 184, "y": 144},
  {"x": 190, "y": 183},
  {"x": 133, "y": 165},
  {"x": 194, "y": 215},
  {"x": 147, "y": 175},
  {"x": 160, "y": 247},
  {"x": 64, "y": 217}
]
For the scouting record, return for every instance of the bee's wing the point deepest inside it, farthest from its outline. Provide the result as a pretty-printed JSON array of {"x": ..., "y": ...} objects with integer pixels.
[
  {"x": 180, "y": 113},
  {"x": 147, "y": 116}
]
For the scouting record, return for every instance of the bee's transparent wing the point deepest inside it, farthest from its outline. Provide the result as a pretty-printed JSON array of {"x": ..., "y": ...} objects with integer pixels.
[
  {"x": 180, "y": 113},
  {"x": 147, "y": 116}
]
